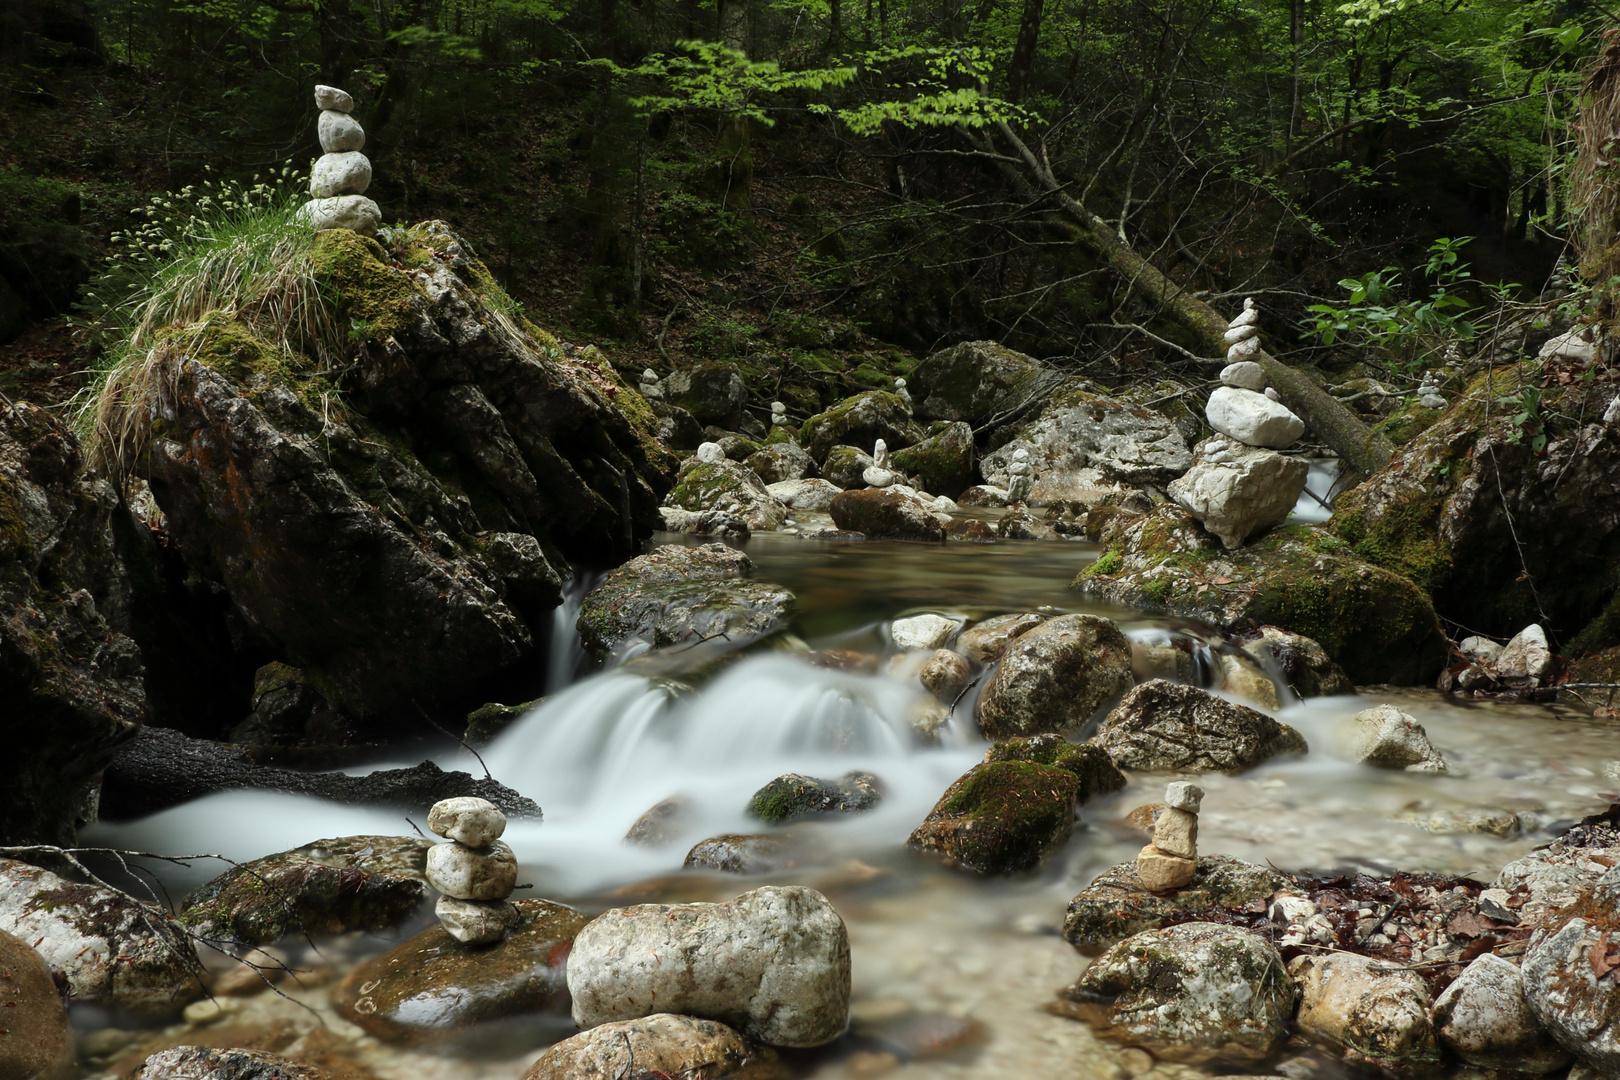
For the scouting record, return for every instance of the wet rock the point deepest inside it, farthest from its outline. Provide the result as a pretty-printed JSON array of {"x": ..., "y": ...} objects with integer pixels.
[
  {"x": 113, "y": 952},
  {"x": 1165, "y": 727},
  {"x": 36, "y": 1041},
  {"x": 663, "y": 823},
  {"x": 1242, "y": 678},
  {"x": 973, "y": 382},
  {"x": 471, "y": 821},
  {"x": 227, "y": 1063},
  {"x": 1305, "y": 666},
  {"x": 987, "y": 640},
  {"x": 476, "y": 922},
  {"x": 1483, "y": 1018},
  {"x": 773, "y": 964},
  {"x": 739, "y": 853},
  {"x": 71, "y": 671},
  {"x": 945, "y": 675},
  {"x": 1010, "y": 813},
  {"x": 1055, "y": 676},
  {"x": 160, "y": 768},
  {"x": 662, "y": 1044},
  {"x": 1117, "y": 905},
  {"x": 1238, "y": 490},
  {"x": 433, "y": 987},
  {"x": 883, "y": 513},
  {"x": 328, "y": 887},
  {"x": 1377, "y": 1013},
  {"x": 792, "y": 797},
  {"x": 845, "y": 467},
  {"x": 712, "y": 393},
  {"x": 779, "y": 462},
  {"x": 1253, "y": 419},
  {"x": 1569, "y": 975},
  {"x": 468, "y": 873},
  {"x": 677, "y": 594},
  {"x": 719, "y": 523},
  {"x": 729, "y": 487},
  {"x": 1084, "y": 438},
  {"x": 860, "y": 421},
  {"x": 941, "y": 463},
  {"x": 1380, "y": 627},
  {"x": 810, "y": 494},
  {"x": 1199, "y": 993},
  {"x": 1391, "y": 739},
  {"x": 983, "y": 495},
  {"x": 922, "y": 631},
  {"x": 1021, "y": 524}
]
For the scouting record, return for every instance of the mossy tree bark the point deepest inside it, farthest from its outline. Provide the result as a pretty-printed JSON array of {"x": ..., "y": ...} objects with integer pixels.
[{"x": 734, "y": 159}]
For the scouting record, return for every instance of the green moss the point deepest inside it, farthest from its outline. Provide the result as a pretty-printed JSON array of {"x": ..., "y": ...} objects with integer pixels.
[
  {"x": 1602, "y": 632},
  {"x": 355, "y": 275},
  {"x": 1408, "y": 422},
  {"x": 1110, "y": 563},
  {"x": 1019, "y": 811},
  {"x": 1405, "y": 539},
  {"x": 1159, "y": 589}
]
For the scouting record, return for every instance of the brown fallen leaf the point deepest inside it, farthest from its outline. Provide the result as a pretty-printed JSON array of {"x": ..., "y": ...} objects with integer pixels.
[
  {"x": 1605, "y": 956},
  {"x": 1469, "y": 924}
]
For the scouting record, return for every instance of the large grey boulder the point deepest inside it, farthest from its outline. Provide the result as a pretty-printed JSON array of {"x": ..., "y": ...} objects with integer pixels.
[
  {"x": 1162, "y": 726},
  {"x": 973, "y": 382},
  {"x": 1237, "y": 490},
  {"x": 887, "y": 514},
  {"x": 1374, "y": 1013},
  {"x": 781, "y": 461},
  {"x": 1055, "y": 676},
  {"x": 1570, "y": 976},
  {"x": 726, "y": 486},
  {"x": 808, "y": 494},
  {"x": 712, "y": 393},
  {"x": 1483, "y": 1018},
  {"x": 860, "y": 421},
  {"x": 1085, "y": 439},
  {"x": 660, "y": 1045},
  {"x": 1253, "y": 419},
  {"x": 1200, "y": 993},
  {"x": 1387, "y": 737},
  {"x": 942, "y": 463},
  {"x": 773, "y": 964},
  {"x": 1117, "y": 904}
]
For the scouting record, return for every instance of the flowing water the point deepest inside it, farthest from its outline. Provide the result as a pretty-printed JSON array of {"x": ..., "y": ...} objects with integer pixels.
[{"x": 968, "y": 963}]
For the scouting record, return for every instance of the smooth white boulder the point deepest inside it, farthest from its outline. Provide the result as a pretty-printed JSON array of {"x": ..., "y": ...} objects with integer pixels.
[
  {"x": 922, "y": 631},
  {"x": 1484, "y": 1019},
  {"x": 1183, "y": 795},
  {"x": 1252, "y": 418},
  {"x": 1237, "y": 490},
  {"x": 773, "y": 964},
  {"x": 354, "y": 212},
  {"x": 339, "y": 132},
  {"x": 711, "y": 453},
  {"x": 340, "y": 174},
  {"x": 476, "y": 922},
  {"x": 486, "y": 873},
  {"x": 1245, "y": 375},
  {"x": 1387, "y": 737},
  {"x": 469, "y": 819},
  {"x": 1527, "y": 656},
  {"x": 330, "y": 97},
  {"x": 808, "y": 494}
]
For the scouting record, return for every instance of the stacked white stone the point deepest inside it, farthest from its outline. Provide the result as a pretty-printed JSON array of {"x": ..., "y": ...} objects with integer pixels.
[
  {"x": 1019, "y": 480},
  {"x": 474, "y": 871},
  {"x": 902, "y": 393},
  {"x": 1243, "y": 408},
  {"x": 711, "y": 453},
  {"x": 342, "y": 174},
  {"x": 880, "y": 474},
  {"x": 1172, "y": 859},
  {"x": 649, "y": 384},
  {"x": 778, "y": 413}
]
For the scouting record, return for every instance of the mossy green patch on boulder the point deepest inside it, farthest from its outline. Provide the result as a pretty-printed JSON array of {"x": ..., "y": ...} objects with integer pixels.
[
  {"x": 721, "y": 485},
  {"x": 1376, "y": 624},
  {"x": 1096, "y": 770},
  {"x": 1002, "y": 817},
  {"x": 860, "y": 421},
  {"x": 972, "y": 381},
  {"x": 1407, "y": 422},
  {"x": 943, "y": 462},
  {"x": 844, "y": 466},
  {"x": 791, "y": 797}
]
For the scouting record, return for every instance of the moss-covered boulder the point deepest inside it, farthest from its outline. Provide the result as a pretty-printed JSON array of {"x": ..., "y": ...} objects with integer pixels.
[
  {"x": 941, "y": 463},
  {"x": 1116, "y": 904},
  {"x": 675, "y": 595},
  {"x": 972, "y": 382},
  {"x": 780, "y": 461},
  {"x": 1376, "y": 624},
  {"x": 883, "y": 513},
  {"x": 860, "y": 421},
  {"x": 397, "y": 525},
  {"x": 712, "y": 393},
  {"x": 729, "y": 487},
  {"x": 791, "y": 797},
  {"x": 845, "y": 466},
  {"x": 1163, "y": 726},
  {"x": 1013, "y": 811},
  {"x": 1501, "y": 529}
]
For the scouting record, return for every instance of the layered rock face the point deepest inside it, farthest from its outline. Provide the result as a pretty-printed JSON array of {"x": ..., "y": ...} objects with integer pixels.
[{"x": 398, "y": 533}]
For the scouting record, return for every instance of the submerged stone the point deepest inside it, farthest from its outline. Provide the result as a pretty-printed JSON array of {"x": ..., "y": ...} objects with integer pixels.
[{"x": 791, "y": 797}]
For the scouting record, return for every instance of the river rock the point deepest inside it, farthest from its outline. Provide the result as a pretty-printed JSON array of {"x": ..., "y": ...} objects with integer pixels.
[
  {"x": 740, "y": 853},
  {"x": 660, "y": 1045},
  {"x": 712, "y": 523},
  {"x": 339, "y": 132},
  {"x": 327, "y": 887},
  {"x": 1527, "y": 656},
  {"x": 1305, "y": 666},
  {"x": 113, "y": 952},
  {"x": 476, "y": 922},
  {"x": 1055, "y": 676},
  {"x": 781, "y": 461},
  {"x": 807, "y": 494},
  {"x": 224, "y": 1063},
  {"x": 1159, "y": 870},
  {"x": 354, "y": 212},
  {"x": 1555, "y": 876},
  {"x": 973, "y": 382},
  {"x": 1199, "y": 993},
  {"x": 1569, "y": 975},
  {"x": 983, "y": 495},
  {"x": 36, "y": 1042},
  {"x": 1117, "y": 904},
  {"x": 1165, "y": 727},
  {"x": 845, "y": 467},
  {"x": 677, "y": 594},
  {"x": 985, "y": 641},
  {"x": 860, "y": 421},
  {"x": 1389, "y": 738},
  {"x": 926, "y": 631},
  {"x": 791, "y": 797},
  {"x": 1253, "y": 419},
  {"x": 941, "y": 463},
  {"x": 884, "y": 513},
  {"x": 432, "y": 987},
  {"x": 1238, "y": 490},
  {"x": 472, "y": 821},
  {"x": 330, "y": 97},
  {"x": 1483, "y": 1018},
  {"x": 663, "y": 822},
  {"x": 773, "y": 964},
  {"x": 1013, "y": 811},
  {"x": 1245, "y": 375},
  {"x": 945, "y": 675},
  {"x": 729, "y": 486},
  {"x": 340, "y": 174},
  {"x": 467, "y": 873},
  {"x": 713, "y": 393},
  {"x": 1377, "y": 1013},
  {"x": 1085, "y": 438}
]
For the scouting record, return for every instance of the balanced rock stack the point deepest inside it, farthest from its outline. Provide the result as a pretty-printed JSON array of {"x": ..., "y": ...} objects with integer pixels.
[
  {"x": 474, "y": 872},
  {"x": 1240, "y": 408},
  {"x": 1172, "y": 859},
  {"x": 649, "y": 384},
  {"x": 778, "y": 414},
  {"x": 879, "y": 474},
  {"x": 342, "y": 174},
  {"x": 1019, "y": 480},
  {"x": 902, "y": 393}
]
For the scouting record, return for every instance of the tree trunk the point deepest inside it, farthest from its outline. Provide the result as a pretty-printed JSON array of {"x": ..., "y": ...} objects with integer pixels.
[
  {"x": 1023, "y": 58},
  {"x": 1296, "y": 37},
  {"x": 734, "y": 161}
]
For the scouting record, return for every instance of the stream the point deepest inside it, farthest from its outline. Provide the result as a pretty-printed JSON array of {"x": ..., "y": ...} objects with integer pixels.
[{"x": 949, "y": 970}]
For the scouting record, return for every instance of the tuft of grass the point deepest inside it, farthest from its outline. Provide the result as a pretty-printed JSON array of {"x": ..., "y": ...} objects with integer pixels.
[{"x": 203, "y": 253}]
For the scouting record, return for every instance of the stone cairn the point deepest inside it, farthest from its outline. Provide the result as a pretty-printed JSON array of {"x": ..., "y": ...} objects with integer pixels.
[
  {"x": 902, "y": 393},
  {"x": 1019, "y": 480},
  {"x": 649, "y": 384},
  {"x": 474, "y": 872},
  {"x": 778, "y": 414},
  {"x": 1244, "y": 408},
  {"x": 1172, "y": 859},
  {"x": 342, "y": 174},
  {"x": 879, "y": 474}
]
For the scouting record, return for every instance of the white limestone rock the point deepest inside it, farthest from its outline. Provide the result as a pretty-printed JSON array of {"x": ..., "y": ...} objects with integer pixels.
[
  {"x": 773, "y": 964},
  {"x": 339, "y": 132},
  {"x": 476, "y": 922},
  {"x": 331, "y": 98},
  {"x": 1484, "y": 1019},
  {"x": 1374, "y": 1010},
  {"x": 354, "y": 212},
  {"x": 1238, "y": 490},
  {"x": 1571, "y": 346},
  {"x": 1252, "y": 418},
  {"x": 1243, "y": 351},
  {"x": 878, "y": 477},
  {"x": 486, "y": 873},
  {"x": 1527, "y": 656},
  {"x": 1387, "y": 737},
  {"x": 1241, "y": 333},
  {"x": 1245, "y": 375},
  {"x": 922, "y": 632},
  {"x": 1183, "y": 795},
  {"x": 711, "y": 453},
  {"x": 467, "y": 818},
  {"x": 340, "y": 174},
  {"x": 811, "y": 493}
]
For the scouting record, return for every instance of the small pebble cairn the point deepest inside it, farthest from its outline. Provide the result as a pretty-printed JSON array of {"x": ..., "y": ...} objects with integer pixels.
[
  {"x": 474, "y": 872},
  {"x": 1244, "y": 407},
  {"x": 879, "y": 474},
  {"x": 342, "y": 174},
  {"x": 901, "y": 392},
  {"x": 649, "y": 384},
  {"x": 778, "y": 414},
  {"x": 1019, "y": 480},
  {"x": 1171, "y": 860}
]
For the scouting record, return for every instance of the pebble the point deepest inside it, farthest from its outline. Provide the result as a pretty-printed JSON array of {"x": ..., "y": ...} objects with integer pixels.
[
  {"x": 331, "y": 98},
  {"x": 339, "y": 132},
  {"x": 468, "y": 819},
  {"x": 710, "y": 453},
  {"x": 466, "y": 873},
  {"x": 475, "y": 922}
]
